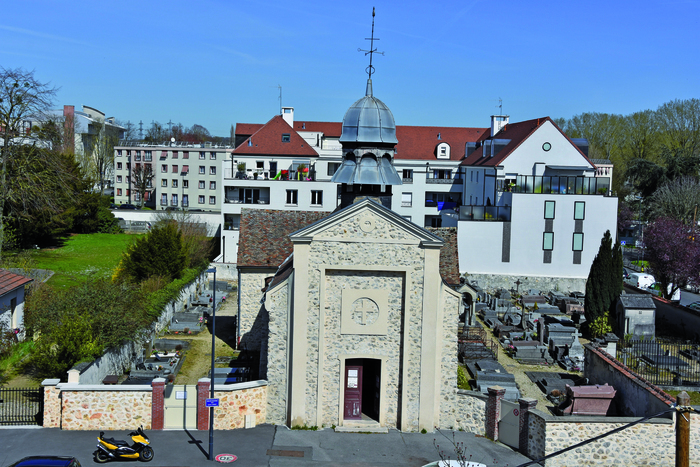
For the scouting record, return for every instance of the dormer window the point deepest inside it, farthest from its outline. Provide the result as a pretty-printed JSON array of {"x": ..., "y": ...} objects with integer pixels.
[
  {"x": 443, "y": 151},
  {"x": 286, "y": 137}
]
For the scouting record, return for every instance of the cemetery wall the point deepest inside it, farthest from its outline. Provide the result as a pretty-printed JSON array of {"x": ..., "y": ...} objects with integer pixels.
[
  {"x": 97, "y": 407},
  {"x": 542, "y": 283},
  {"x": 649, "y": 443},
  {"x": 116, "y": 361},
  {"x": 238, "y": 400},
  {"x": 469, "y": 413}
]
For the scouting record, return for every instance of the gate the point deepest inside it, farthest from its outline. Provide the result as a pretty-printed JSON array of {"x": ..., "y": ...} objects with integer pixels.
[
  {"x": 180, "y": 407},
  {"x": 509, "y": 424},
  {"x": 21, "y": 406}
]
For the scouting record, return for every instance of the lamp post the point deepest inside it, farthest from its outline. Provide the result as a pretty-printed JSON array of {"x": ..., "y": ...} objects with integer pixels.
[
  {"x": 640, "y": 258},
  {"x": 213, "y": 358}
]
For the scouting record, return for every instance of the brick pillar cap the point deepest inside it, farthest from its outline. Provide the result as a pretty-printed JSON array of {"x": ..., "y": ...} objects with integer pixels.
[
  {"x": 50, "y": 382},
  {"x": 204, "y": 380},
  {"x": 527, "y": 400},
  {"x": 496, "y": 390},
  {"x": 158, "y": 381}
]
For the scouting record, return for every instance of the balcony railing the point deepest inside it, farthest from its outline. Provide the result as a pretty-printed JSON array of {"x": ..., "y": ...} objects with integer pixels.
[
  {"x": 485, "y": 213},
  {"x": 443, "y": 181},
  {"x": 556, "y": 185},
  {"x": 247, "y": 201},
  {"x": 282, "y": 175},
  {"x": 406, "y": 180}
]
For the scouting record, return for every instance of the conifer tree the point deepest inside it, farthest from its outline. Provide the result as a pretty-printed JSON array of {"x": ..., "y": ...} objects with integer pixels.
[
  {"x": 604, "y": 279},
  {"x": 160, "y": 253}
]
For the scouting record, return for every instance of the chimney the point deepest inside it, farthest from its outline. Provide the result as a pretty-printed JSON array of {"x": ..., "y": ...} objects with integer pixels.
[
  {"x": 288, "y": 115},
  {"x": 498, "y": 122}
]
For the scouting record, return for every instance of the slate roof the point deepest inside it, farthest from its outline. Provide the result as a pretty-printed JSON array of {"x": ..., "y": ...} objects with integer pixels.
[
  {"x": 602, "y": 161},
  {"x": 516, "y": 133},
  {"x": 268, "y": 141},
  {"x": 329, "y": 129},
  {"x": 10, "y": 281},
  {"x": 420, "y": 142},
  {"x": 264, "y": 235},
  {"x": 637, "y": 301},
  {"x": 449, "y": 261}
]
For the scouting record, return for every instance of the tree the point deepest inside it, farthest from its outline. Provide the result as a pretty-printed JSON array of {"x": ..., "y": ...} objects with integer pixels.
[
  {"x": 678, "y": 200},
  {"x": 679, "y": 124},
  {"x": 673, "y": 251},
  {"x": 142, "y": 179},
  {"x": 158, "y": 253},
  {"x": 22, "y": 98},
  {"x": 156, "y": 134},
  {"x": 604, "y": 283},
  {"x": 102, "y": 149},
  {"x": 196, "y": 236}
]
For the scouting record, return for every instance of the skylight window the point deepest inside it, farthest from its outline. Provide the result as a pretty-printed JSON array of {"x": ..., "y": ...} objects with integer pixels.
[{"x": 286, "y": 137}]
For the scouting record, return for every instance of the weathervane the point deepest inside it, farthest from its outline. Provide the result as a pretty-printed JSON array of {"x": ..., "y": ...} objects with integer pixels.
[{"x": 372, "y": 50}]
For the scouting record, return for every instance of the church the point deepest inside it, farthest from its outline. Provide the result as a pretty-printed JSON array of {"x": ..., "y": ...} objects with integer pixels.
[{"x": 353, "y": 313}]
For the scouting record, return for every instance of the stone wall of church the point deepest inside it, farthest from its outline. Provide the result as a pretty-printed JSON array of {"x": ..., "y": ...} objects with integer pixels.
[
  {"x": 277, "y": 355},
  {"x": 449, "y": 407},
  {"x": 253, "y": 322}
]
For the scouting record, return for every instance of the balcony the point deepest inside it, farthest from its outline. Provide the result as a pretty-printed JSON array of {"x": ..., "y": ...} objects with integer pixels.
[
  {"x": 406, "y": 181},
  {"x": 443, "y": 181},
  {"x": 485, "y": 213},
  {"x": 263, "y": 175},
  {"x": 556, "y": 185},
  {"x": 247, "y": 201}
]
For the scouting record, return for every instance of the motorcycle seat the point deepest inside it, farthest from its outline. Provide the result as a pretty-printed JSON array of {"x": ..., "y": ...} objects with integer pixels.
[{"x": 116, "y": 442}]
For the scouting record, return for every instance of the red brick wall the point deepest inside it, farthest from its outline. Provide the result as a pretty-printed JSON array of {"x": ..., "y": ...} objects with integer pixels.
[
  {"x": 203, "y": 389},
  {"x": 493, "y": 411},
  {"x": 158, "y": 404}
]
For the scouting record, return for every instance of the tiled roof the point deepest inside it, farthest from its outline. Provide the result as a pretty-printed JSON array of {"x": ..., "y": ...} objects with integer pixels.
[
  {"x": 329, "y": 129},
  {"x": 449, "y": 261},
  {"x": 602, "y": 161},
  {"x": 264, "y": 235},
  {"x": 10, "y": 281},
  {"x": 516, "y": 133},
  {"x": 268, "y": 141},
  {"x": 637, "y": 301},
  {"x": 420, "y": 142}
]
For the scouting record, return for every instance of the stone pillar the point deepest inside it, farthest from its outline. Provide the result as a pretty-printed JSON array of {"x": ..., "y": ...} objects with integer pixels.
[
  {"x": 158, "y": 404},
  {"x": 203, "y": 388},
  {"x": 493, "y": 411},
  {"x": 74, "y": 376},
  {"x": 526, "y": 404},
  {"x": 52, "y": 403}
]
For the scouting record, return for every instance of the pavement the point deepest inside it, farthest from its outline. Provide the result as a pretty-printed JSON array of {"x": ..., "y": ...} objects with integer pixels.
[{"x": 265, "y": 445}]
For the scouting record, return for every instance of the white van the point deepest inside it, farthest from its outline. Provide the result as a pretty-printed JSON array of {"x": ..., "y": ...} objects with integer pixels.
[{"x": 640, "y": 280}]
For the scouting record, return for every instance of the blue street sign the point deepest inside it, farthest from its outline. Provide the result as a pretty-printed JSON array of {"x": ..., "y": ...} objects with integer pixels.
[
  {"x": 211, "y": 403},
  {"x": 623, "y": 243}
]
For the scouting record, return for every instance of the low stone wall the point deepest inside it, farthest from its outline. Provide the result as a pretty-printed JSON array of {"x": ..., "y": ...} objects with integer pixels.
[
  {"x": 97, "y": 407},
  {"x": 238, "y": 400},
  {"x": 649, "y": 443},
  {"x": 469, "y": 412},
  {"x": 542, "y": 283}
]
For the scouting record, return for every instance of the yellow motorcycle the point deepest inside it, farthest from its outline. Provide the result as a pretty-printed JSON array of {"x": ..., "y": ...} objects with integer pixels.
[{"x": 115, "y": 449}]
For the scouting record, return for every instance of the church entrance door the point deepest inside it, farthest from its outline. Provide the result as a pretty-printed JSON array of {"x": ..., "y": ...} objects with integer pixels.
[{"x": 362, "y": 388}]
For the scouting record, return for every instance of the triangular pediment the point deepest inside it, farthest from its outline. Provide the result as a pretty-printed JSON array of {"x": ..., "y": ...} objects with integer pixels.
[{"x": 368, "y": 221}]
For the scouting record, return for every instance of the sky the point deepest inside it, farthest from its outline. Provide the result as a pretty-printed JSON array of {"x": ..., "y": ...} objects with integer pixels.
[{"x": 446, "y": 63}]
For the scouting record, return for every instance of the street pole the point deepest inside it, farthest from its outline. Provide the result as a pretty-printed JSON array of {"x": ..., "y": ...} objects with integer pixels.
[
  {"x": 213, "y": 358},
  {"x": 683, "y": 431}
]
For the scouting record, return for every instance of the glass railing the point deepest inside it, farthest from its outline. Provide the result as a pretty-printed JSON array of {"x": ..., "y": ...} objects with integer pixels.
[
  {"x": 485, "y": 213},
  {"x": 556, "y": 185}
]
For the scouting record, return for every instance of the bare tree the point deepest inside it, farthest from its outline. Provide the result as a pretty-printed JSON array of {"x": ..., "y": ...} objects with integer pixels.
[
  {"x": 677, "y": 199},
  {"x": 22, "y": 98},
  {"x": 142, "y": 176},
  {"x": 102, "y": 152}
]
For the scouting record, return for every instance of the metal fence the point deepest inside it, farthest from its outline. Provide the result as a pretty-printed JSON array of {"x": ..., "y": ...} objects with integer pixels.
[
  {"x": 662, "y": 361},
  {"x": 475, "y": 344},
  {"x": 21, "y": 406}
]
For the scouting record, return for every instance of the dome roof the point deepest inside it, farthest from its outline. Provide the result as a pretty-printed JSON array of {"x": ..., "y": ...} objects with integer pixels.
[{"x": 369, "y": 120}]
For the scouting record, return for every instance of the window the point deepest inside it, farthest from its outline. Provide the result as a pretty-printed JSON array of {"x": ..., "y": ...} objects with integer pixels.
[
  {"x": 119, "y": 191},
  {"x": 128, "y": 179},
  {"x": 202, "y": 169},
  {"x": 164, "y": 182},
  {"x": 137, "y": 157},
  {"x": 128, "y": 166},
  {"x": 128, "y": 152},
  {"x": 212, "y": 200},
  {"x": 317, "y": 197},
  {"x": 201, "y": 184},
  {"x": 185, "y": 169},
  {"x": 202, "y": 155},
  {"x": 292, "y": 196},
  {"x": 212, "y": 170},
  {"x": 174, "y": 154},
  {"x": 119, "y": 178},
  {"x": 578, "y": 242},
  {"x": 137, "y": 196},
  {"x": 185, "y": 154},
  {"x": 408, "y": 218},
  {"x": 406, "y": 200},
  {"x": 174, "y": 182},
  {"x": 333, "y": 168},
  {"x": 173, "y": 201},
  {"x": 175, "y": 169},
  {"x": 148, "y": 157},
  {"x": 119, "y": 165},
  {"x": 579, "y": 210},
  {"x": 286, "y": 137},
  {"x": 259, "y": 165},
  {"x": 548, "y": 241},
  {"x": 443, "y": 174},
  {"x": 149, "y": 183},
  {"x": 164, "y": 168},
  {"x": 549, "y": 209},
  {"x": 164, "y": 199},
  {"x": 212, "y": 155},
  {"x": 201, "y": 200},
  {"x": 407, "y": 174},
  {"x": 185, "y": 184},
  {"x": 185, "y": 201},
  {"x": 212, "y": 185},
  {"x": 119, "y": 152}
]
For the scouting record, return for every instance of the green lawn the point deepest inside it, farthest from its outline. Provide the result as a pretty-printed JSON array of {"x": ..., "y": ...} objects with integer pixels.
[{"x": 82, "y": 256}]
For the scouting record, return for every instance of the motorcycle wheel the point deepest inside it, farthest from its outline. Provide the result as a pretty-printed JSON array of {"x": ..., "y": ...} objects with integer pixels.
[
  {"x": 147, "y": 454},
  {"x": 101, "y": 457}
]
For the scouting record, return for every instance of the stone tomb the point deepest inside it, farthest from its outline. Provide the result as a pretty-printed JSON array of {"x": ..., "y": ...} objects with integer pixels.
[{"x": 531, "y": 352}]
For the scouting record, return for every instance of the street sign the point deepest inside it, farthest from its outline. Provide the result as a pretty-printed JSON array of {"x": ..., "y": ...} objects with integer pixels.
[
  {"x": 623, "y": 243},
  {"x": 211, "y": 403}
]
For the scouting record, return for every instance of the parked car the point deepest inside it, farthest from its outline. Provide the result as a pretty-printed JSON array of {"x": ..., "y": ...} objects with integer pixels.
[
  {"x": 47, "y": 461},
  {"x": 127, "y": 206},
  {"x": 656, "y": 289},
  {"x": 640, "y": 280},
  {"x": 694, "y": 306},
  {"x": 625, "y": 273}
]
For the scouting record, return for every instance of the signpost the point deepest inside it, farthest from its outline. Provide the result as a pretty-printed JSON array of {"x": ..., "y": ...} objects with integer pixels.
[{"x": 211, "y": 402}]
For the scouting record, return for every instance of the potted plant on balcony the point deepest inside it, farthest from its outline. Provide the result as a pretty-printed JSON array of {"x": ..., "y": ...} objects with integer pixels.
[
  {"x": 301, "y": 171},
  {"x": 241, "y": 168}
]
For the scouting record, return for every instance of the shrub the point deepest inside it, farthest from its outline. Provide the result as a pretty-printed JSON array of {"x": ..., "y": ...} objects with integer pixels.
[
  {"x": 462, "y": 381},
  {"x": 601, "y": 325},
  {"x": 159, "y": 253}
]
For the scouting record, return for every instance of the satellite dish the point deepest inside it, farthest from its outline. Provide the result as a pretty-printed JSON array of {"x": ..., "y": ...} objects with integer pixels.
[{"x": 172, "y": 140}]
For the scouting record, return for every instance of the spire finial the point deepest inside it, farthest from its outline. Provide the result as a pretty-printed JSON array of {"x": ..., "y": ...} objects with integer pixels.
[{"x": 372, "y": 50}]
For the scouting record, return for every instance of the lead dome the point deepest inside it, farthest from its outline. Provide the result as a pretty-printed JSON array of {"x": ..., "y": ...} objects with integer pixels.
[{"x": 369, "y": 120}]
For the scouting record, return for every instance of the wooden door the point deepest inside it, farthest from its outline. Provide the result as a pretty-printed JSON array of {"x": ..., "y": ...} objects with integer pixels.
[{"x": 353, "y": 393}]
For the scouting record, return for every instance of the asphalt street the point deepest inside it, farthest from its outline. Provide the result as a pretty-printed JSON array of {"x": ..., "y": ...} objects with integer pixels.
[{"x": 265, "y": 445}]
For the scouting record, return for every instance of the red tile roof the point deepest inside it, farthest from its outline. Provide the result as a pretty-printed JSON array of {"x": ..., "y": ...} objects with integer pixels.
[
  {"x": 420, "y": 142},
  {"x": 516, "y": 133},
  {"x": 329, "y": 129},
  {"x": 10, "y": 281},
  {"x": 268, "y": 141}
]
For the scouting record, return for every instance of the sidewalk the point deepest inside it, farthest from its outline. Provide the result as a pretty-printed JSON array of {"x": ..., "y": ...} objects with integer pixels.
[{"x": 264, "y": 445}]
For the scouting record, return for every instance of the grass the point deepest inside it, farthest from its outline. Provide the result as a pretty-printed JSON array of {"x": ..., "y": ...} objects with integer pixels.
[
  {"x": 10, "y": 365},
  {"x": 694, "y": 396},
  {"x": 80, "y": 257}
]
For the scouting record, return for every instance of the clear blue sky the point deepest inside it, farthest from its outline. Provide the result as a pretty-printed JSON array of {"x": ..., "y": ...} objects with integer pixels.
[{"x": 446, "y": 63}]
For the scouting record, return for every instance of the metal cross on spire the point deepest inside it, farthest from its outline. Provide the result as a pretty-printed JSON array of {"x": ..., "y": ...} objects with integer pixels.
[{"x": 372, "y": 50}]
